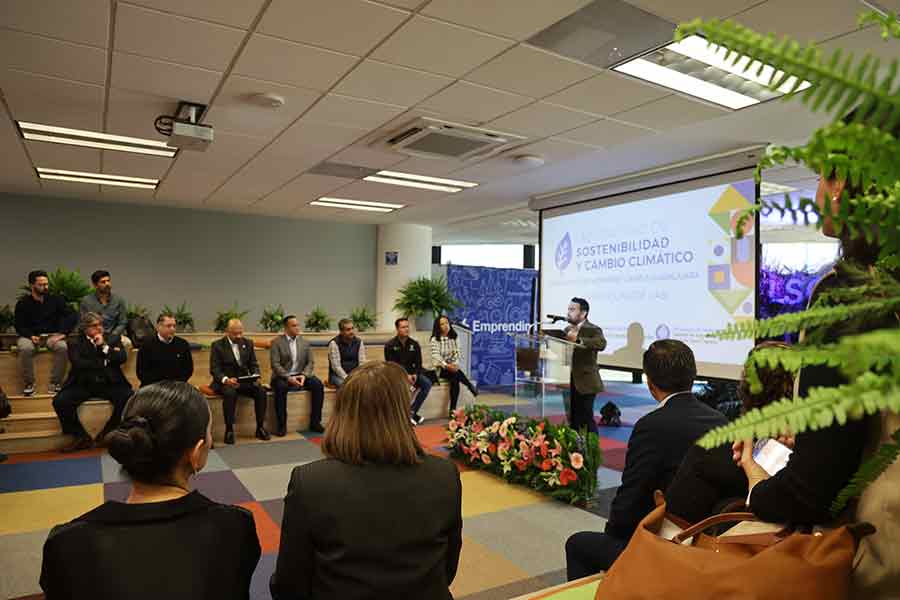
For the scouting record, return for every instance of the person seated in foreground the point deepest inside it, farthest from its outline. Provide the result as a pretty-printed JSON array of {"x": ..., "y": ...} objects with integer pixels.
[
  {"x": 345, "y": 352},
  {"x": 112, "y": 308},
  {"x": 164, "y": 541},
  {"x": 293, "y": 368},
  {"x": 658, "y": 444},
  {"x": 96, "y": 372},
  {"x": 406, "y": 352},
  {"x": 445, "y": 358},
  {"x": 709, "y": 480},
  {"x": 166, "y": 356},
  {"x": 378, "y": 518},
  {"x": 235, "y": 372},
  {"x": 42, "y": 319}
]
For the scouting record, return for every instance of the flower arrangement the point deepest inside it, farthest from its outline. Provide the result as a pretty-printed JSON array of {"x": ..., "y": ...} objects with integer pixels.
[{"x": 553, "y": 459}]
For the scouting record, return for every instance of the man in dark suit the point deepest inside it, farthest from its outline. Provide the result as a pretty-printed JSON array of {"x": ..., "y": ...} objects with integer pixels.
[
  {"x": 293, "y": 368},
  {"x": 96, "y": 372},
  {"x": 657, "y": 446},
  {"x": 165, "y": 356},
  {"x": 585, "y": 381},
  {"x": 229, "y": 358}
]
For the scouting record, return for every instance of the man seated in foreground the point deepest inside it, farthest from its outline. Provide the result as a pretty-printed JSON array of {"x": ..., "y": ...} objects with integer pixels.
[{"x": 657, "y": 446}]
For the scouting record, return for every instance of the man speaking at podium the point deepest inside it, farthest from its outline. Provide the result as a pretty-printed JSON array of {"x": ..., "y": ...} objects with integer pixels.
[{"x": 585, "y": 382}]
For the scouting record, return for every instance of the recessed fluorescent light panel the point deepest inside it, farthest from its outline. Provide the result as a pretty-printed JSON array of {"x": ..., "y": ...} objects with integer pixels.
[
  {"x": 93, "y": 139},
  {"x": 693, "y": 67},
  {"x": 424, "y": 182},
  {"x": 767, "y": 188},
  {"x": 364, "y": 205},
  {"x": 97, "y": 178}
]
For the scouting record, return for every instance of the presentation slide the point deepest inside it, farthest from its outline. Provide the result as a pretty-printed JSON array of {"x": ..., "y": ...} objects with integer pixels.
[{"x": 667, "y": 266}]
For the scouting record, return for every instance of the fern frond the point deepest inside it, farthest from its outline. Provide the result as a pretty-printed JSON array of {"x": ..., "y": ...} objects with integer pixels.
[
  {"x": 867, "y": 394},
  {"x": 821, "y": 316},
  {"x": 837, "y": 86},
  {"x": 868, "y": 472},
  {"x": 890, "y": 27}
]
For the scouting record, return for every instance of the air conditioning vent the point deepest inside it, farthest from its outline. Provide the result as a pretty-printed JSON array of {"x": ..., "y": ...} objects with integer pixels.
[{"x": 430, "y": 138}]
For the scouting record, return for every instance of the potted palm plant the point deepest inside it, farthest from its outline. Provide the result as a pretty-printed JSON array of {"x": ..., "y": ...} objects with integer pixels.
[{"x": 424, "y": 298}]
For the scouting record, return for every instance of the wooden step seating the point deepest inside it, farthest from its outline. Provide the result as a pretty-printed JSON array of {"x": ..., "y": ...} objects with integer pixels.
[{"x": 33, "y": 426}]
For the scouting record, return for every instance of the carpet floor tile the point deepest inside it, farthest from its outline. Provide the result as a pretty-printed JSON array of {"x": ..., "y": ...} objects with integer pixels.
[
  {"x": 49, "y": 474},
  {"x": 243, "y": 456},
  {"x": 266, "y": 483},
  {"x": 607, "y": 478},
  {"x": 485, "y": 493},
  {"x": 42, "y": 509},
  {"x": 268, "y": 532},
  {"x": 20, "y": 562},
  {"x": 481, "y": 568}
]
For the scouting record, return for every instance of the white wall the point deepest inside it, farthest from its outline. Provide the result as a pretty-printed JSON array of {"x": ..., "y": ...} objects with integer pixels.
[
  {"x": 159, "y": 255},
  {"x": 413, "y": 246}
]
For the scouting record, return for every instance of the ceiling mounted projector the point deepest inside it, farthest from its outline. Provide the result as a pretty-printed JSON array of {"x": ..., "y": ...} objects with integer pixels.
[{"x": 184, "y": 128}]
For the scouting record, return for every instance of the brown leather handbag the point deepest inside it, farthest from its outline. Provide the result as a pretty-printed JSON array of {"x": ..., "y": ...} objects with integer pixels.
[{"x": 770, "y": 566}]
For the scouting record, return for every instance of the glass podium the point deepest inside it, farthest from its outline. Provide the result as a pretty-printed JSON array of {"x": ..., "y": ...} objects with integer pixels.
[{"x": 543, "y": 365}]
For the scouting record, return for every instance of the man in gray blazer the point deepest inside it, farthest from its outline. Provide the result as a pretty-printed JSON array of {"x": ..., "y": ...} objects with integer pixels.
[{"x": 292, "y": 369}]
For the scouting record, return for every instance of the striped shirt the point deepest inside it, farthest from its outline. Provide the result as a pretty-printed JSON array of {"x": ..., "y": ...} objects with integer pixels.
[{"x": 444, "y": 350}]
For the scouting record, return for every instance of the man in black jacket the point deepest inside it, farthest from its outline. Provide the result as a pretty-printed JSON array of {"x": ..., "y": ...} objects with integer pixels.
[
  {"x": 42, "y": 319},
  {"x": 165, "y": 356},
  {"x": 232, "y": 357},
  {"x": 407, "y": 353},
  {"x": 657, "y": 446},
  {"x": 96, "y": 373}
]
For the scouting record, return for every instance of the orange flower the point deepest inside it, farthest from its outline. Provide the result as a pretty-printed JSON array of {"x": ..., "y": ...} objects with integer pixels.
[
  {"x": 547, "y": 465},
  {"x": 492, "y": 448},
  {"x": 521, "y": 465},
  {"x": 577, "y": 460},
  {"x": 486, "y": 459},
  {"x": 567, "y": 476}
]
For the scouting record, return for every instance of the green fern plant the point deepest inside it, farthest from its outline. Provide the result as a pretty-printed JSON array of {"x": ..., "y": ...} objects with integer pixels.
[
  {"x": 7, "y": 319},
  {"x": 184, "y": 318},
  {"x": 863, "y": 152},
  {"x": 136, "y": 310},
  {"x": 363, "y": 318},
  {"x": 223, "y": 316},
  {"x": 317, "y": 319},
  {"x": 272, "y": 317},
  {"x": 425, "y": 294}
]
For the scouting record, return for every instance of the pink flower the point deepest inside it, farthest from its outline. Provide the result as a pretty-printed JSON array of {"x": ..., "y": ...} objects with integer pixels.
[
  {"x": 556, "y": 449},
  {"x": 538, "y": 440},
  {"x": 521, "y": 465},
  {"x": 486, "y": 459},
  {"x": 577, "y": 460},
  {"x": 523, "y": 447},
  {"x": 460, "y": 415},
  {"x": 546, "y": 465},
  {"x": 504, "y": 429},
  {"x": 567, "y": 476},
  {"x": 503, "y": 446},
  {"x": 477, "y": 427},
  {"x": 492, "y": 448},
  {"x": 453, "y": 425}
]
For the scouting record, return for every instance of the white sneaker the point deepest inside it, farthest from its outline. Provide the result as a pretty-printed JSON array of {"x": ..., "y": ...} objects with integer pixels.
[{"x": 54, "y": 388}]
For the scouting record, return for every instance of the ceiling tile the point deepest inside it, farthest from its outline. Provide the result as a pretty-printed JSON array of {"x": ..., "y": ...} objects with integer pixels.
[
  {"x": 28, "y": 52},
  {"x": 363, "y": 156},
  {"x": 264, "y": 174},
  {"x": 238, "y": 13},
  {"x": 16, "y": 171},
  {"x": 607, "y": 94},
  {"x": 134, "y": 113},
  {"x": 383, "y": 82},
  {"x": 789, "y": 17},
  {"x": 671, "y": 112},
  {"x": 427, "y": 166},
  {"x": 301, "y": 191},
  {"x": 352, "y": 26},
  {"x": 541, "y": 120},
  {"x": 470, "y": 102},
  {"x": 309, "y": 142},
  {"x": 52, "y": 101},
  {"x": 530, "y": 71},
  {"x": 518, "y": 19},
  {"x": 161, "y": 78},
  {"x": 438, "y": 47},
  {"x": 135, "y": 165},
  {"x": 235, "y": 111},
  {"x": 862, "y": 41},
  {"x": 86, "y": 22},
  {"x": 552, "y": 150},
  {"x": 353, "y": 112},
  {"x": 176, "y": 39},
  {"x": 69, "y": 189},
  {"x": 279, "y": 60},
  {"x": 407, "y": 4},
  {"x": 605, "y": 133},
  {"x": 687, "y": 10},
  {"x": 59, "y": 156}
]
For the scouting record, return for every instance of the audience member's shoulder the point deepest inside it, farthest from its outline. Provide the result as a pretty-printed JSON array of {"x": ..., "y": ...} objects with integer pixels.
[
  {"x": 230, "y": 513},
  {"x": 440, "y": 466}
]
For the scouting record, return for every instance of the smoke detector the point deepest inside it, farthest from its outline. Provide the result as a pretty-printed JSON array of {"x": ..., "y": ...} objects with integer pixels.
[
  {"x": 529, "y": 160},
  {"x": 268, "y": 100}
]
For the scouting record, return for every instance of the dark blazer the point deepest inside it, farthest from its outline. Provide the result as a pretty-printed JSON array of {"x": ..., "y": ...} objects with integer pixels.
[
  {"x": 190, "y": 548},
  {"x": 91, "y": 367},
  {"x": 585, "y": 372},
  {"x": 657, "y": 446},
  {"x": 222, "y": 362},
  {"x": 370, "y": 532},
  {"x": 706, "y": 482},
  {"x": 158, "y": 361}
]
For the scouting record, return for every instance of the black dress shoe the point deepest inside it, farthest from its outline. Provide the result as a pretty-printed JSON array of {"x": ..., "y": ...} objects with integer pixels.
[
  {"x": 281, "y": 431},
  {"x": 262, "y": 434},
  {"x": 229, "y": 437},
  {"x": 83, "y": 442},
  {"x": 317, "y": 428}
]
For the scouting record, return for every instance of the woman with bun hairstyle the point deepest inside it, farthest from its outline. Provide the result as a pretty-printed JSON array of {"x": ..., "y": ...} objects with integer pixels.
[{"x": 164, "y": 541}]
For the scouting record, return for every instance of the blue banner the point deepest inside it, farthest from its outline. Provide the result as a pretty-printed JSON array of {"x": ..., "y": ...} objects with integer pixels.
[{"x": 496, "y": 303}]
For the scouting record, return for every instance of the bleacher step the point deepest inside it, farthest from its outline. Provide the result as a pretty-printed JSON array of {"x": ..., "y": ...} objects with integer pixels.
[
  {"x": 30, "y": 421},
  {"x": 33, "y": 441}
]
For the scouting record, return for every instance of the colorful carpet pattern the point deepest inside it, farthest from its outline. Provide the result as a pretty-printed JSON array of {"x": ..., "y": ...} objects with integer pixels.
[{"x": 514, "y": 538}]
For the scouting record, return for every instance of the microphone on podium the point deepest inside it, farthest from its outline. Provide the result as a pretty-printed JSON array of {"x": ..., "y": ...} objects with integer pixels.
[{"x": 556, "y": 318}]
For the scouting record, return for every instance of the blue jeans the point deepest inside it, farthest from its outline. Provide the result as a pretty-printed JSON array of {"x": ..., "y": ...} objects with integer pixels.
[
  {"x": 423, "y": 385},
  {"x": 336, "y": 380}
]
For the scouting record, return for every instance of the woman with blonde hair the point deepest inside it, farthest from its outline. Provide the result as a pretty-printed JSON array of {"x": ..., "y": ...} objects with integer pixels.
[{"x": 378, "y": 517}]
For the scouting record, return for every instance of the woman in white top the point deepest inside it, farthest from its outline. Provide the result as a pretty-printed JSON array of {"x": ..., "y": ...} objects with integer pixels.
[{"x": 445, "y": 358}]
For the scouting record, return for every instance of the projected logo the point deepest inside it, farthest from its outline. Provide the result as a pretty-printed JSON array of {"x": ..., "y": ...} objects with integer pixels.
[
  {"x": 730, "y": 275},
  {"x": 563, "y": 253}
]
